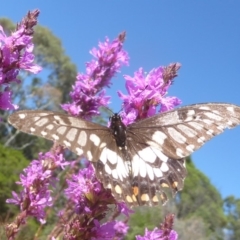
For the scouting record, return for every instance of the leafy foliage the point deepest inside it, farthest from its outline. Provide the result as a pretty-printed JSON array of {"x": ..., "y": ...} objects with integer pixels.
[{"x": 12, "y": 162}]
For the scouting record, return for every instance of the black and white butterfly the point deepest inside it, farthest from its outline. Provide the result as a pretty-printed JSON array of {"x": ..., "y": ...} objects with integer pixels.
[{"x": 139, "y": 161}]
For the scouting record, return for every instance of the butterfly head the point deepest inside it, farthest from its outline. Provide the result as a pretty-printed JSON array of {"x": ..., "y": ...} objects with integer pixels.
[{"x": 115, "y": 119}]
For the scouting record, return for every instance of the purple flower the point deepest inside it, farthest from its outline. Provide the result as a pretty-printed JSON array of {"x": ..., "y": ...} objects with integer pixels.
[
  {"x": 147, "y": 92},
  {"x": 5, "y": 101},
  {"x": 157, "y": 234},
  {"x": 88, "y": 94},
  {"x": 36, "y": 180},
  {"x": 111, "y": 230},
  {"x": 16, "y": 53}
]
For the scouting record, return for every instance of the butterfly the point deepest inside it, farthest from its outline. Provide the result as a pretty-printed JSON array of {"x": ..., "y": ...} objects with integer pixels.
[{"x": 138, "y": 162}]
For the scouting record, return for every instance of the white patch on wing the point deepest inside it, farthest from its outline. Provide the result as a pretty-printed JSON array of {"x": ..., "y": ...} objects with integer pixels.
[
  {"x": 164, "y": 167},
  {"x": 190, "y": 148},
  {"x": 108, "y": 169},
  {"x": 210, "y": 132},
  {"x": 55, "y": 137},
  {"x": 121, "y": 168},
  {"x": 22, "y": 115},
  {"x": 61, "y": 130},
  {"x": 142, "y": 168},
  {"x": 205, "y": 108},
  {"x": 147, "y": 154},
  {"x": 208, "y": 121},
  {"x": 71, "y": 135},
  {"x": 159, "y": 137},
  {"x": 41, "y": 122},
  {"x": 196, "y": 125},
  {"x": 230, "y": 109},
  {"x": 103, "y": 144},
  {"x": 190, "y": 114},
  {"x": 150, "y": 172},
  {"x": 82, "y": 138},
  {"x": 103, "y": 156},
  {"x": 159, "y": 154},
  {"x": 89, "y": 156},
  {"x": 79, "y": 151},
  {"x": 32, "y": 129},
  {"x": 50, "y": 126},
  {"x": 158, "y": 173},
  {"x": 188, "y": 131},
  {"x": 179, "y": 152},
  {"x": 201, "y": 139},
  {"x": 43, "y": 133},
  {"x": 176, "y": 135},
  {"x": 115, "y": 174},
  {"x": 111, "y": 156},
  {"x": 213, "y": 116},
  {"x": 68, "y": 144},
  {"x": 95, "y": 139}
]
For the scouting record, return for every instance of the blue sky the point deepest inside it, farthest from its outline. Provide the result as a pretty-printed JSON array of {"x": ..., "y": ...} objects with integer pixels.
[{"x": 204, "y": 36}]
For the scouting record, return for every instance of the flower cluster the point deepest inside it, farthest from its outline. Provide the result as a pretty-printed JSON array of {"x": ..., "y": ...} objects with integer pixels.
[
  {"x": 36, "y": 180},
  {"x": 147, "y": 92},
  {"x": 88, "y": 94},
  {"x": 91, "y": 202},
  {"x": 16, "y": 53},
  {"x": 165, "y": 231}
]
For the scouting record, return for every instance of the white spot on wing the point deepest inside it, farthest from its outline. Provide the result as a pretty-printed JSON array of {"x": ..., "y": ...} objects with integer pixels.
[
  {"x": 111, "y": 156},
  {"x": 176, "y": 135},
  {"x": 147, "y": 154},
  {"x": 108, "y": 169},
  {"x": 103, "y": 156},
  {"x": 89, "y": 156},
  {"x": 43, "y": 133},
  {"x": 68, "y": 144},
  {"x": 159, "y": 137},
  {"x": 213, "y": 116},
  {"x": 79, "y": 151},
  {"x": 179, "y": 152},
  {"x": 32, "y": 129},
  {"x": 22, "y": 115},
  {"x": 61, "y": 130},
  {"x": 188, "y": 131},
  {"x": 201, "y": 139},
  {"x": 150, "y": 172},
  {"x": 71, "y": 135},
  {"x": 160, "y": 155},
  {"x": 95, "y": 139},
  {"x": 205, "y": 108},
  {"x": 158, "y": 173},
  {"x": 164, "y": 167},
  {"x": 230, "y": 109},
  {"x": 41, "y": 122},
  {"x": 82, "y": 139},
  {"x": 56, "y": 137},
  {"x": 190, "y": 148},
  {"x": 50, "y": 126}
]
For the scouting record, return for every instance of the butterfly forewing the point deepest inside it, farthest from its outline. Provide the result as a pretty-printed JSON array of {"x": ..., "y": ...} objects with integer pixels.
[
  {"x": 180, "y": 132},
  {"x": 150, "y": 159}
]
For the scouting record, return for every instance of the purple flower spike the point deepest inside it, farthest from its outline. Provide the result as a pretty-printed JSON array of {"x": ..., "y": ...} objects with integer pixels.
[
  {"x": 88, "y": 94},
  {"x": 36, "y": 180},
  {"x": 16, "y": 53},
  {"x": 147, "y": 92}
]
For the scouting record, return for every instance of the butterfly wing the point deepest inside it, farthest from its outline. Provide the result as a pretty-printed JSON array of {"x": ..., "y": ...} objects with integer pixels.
[
  {"x": 91, "y": 140},
  {"x": 159, "y": 144},
  {"x": 180, "y": 132},
  {"x": 80, "y": 136}
]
